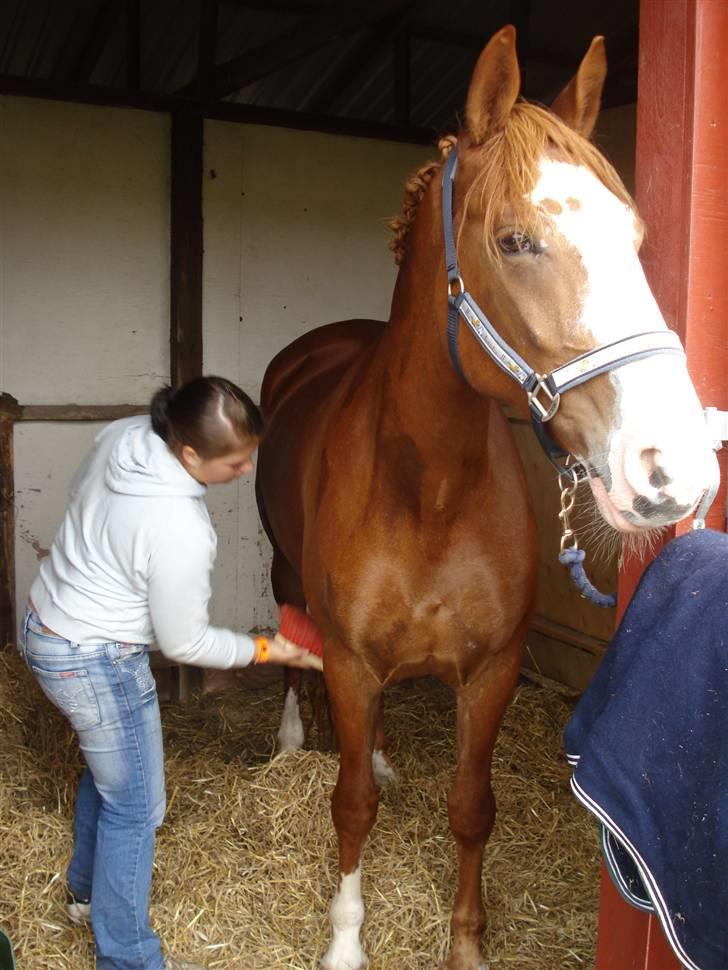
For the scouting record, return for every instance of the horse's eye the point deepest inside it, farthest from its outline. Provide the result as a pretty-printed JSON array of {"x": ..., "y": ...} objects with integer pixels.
[{"x": 517, "y": 242}]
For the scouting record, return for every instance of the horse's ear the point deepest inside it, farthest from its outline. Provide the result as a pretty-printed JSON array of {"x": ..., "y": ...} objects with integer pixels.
[
  {"x": 494, "y": 86},
  {"x": 578, "y": 104}
]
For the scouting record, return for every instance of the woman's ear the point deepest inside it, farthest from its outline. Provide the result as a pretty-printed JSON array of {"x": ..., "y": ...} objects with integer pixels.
[{"x": 190, "y": 458}]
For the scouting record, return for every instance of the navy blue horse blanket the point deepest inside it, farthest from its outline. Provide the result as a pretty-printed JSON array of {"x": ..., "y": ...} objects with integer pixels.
[{"x": 649, "y": 739}]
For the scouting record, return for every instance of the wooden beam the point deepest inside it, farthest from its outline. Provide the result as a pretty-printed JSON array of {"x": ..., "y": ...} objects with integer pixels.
[
  {"x": 186, "y": 281},
  {"x": 186, "y": 248},
  {"x": 319, "y": 30},
  {"x": 9, "y": 407},
  {"x": 9, "y": 410},
  {"x": 218, "y": 110},
  {"x": 79, "y": 412}
]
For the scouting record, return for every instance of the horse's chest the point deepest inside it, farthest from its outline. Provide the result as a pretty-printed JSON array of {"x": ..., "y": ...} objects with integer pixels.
[
  {"x": 406, "y": 596},
  {"x": 416, "y": 559}
]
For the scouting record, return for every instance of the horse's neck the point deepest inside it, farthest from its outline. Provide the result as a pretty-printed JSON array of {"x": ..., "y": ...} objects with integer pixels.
[{"x": 421, "y": 394}]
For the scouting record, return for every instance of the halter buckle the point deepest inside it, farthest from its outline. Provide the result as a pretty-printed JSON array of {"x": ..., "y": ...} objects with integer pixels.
[
  {"x": 544, "y": 412},
  {"x": 461, "y": 286}
]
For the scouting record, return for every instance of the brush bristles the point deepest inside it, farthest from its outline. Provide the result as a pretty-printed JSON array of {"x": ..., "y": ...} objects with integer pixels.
[{"x": 300, "y": 629}]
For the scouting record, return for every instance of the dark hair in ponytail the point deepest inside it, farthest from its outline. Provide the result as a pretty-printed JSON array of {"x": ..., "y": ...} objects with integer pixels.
[{"x": 210, "y": 414}]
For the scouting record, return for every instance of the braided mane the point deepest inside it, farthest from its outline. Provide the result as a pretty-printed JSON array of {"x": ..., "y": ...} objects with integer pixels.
[{"x": 414, "y": 188}]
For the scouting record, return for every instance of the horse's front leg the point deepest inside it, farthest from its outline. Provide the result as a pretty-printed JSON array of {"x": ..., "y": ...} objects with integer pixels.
[
  {"x": 354, "y": 696},
  {"x": 471, "y": 804}
]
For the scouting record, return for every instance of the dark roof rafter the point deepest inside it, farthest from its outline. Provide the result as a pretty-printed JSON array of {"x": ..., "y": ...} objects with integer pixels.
[
  {"x": 316, "y": 31},
  {"x": 324, "y": 96},
  {"x": 99, "y": 29}
]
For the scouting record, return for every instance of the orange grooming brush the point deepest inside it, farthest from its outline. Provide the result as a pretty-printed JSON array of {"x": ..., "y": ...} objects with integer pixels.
[{"x": 298, "y": 627}]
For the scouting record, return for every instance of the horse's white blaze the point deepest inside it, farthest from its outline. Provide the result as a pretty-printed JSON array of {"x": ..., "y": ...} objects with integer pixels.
[
  {"x": 347, "y": 915},
  {"x": 290, "y": 733},
  {"x": 658, "y": 446}
]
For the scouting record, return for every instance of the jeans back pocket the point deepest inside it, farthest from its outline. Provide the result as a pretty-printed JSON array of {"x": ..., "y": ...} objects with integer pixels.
[{"x": 73, "y": 694}]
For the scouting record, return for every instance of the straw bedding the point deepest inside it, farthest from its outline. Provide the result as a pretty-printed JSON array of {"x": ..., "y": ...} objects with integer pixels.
[{"x": 246, "y": 859}]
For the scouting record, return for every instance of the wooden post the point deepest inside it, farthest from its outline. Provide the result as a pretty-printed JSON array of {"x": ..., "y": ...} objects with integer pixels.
[
  {"x": 9, "y": 411},
  {"x": 186, "y": 248},
  {"x": 682, "y": 192},
  {"x": 186, "y": 278}
]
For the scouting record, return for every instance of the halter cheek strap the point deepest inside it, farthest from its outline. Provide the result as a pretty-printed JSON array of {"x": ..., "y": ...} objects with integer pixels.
[{"x": 542, "y": 390}]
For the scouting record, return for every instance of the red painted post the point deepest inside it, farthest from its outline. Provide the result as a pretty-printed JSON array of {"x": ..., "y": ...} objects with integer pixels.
[{"x": 682, "y": 193}]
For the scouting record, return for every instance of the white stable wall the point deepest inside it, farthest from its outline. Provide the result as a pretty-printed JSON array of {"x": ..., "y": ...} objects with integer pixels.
[
  {"x": 84, "y": 285},
  {"x": 84, "y": 252},
  {"x": 294, "y": 236}
]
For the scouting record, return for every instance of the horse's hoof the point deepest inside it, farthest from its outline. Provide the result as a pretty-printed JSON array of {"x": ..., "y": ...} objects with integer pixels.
[
  {"x": 344, "y": 965},
  {"x": 464, "y": 957},
  {"x": 344, "y": 958},
  {"x": 449, "y": 965}
]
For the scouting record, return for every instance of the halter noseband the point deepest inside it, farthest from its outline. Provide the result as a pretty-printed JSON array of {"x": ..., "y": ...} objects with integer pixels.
[{"x": 542, "y": 390}]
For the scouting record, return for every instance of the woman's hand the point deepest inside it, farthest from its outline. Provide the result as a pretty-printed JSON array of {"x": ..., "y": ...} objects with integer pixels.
[{"x": 282, "y": 651}]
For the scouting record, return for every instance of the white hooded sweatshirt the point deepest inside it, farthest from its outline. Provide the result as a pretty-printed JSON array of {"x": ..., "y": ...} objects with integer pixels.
[{"x": 133, "y": 556}]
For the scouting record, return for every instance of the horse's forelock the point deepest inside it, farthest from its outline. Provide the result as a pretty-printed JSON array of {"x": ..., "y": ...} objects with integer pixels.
[
  {"x": 509, "y": 167},
  {"x": 508, "y": 170}
]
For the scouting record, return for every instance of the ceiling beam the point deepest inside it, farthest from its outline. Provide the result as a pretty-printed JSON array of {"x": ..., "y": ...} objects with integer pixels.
[
  {"x": 324, "y": 96},
  {"x": 218, "y": 110},
  {"x": 317, "y": 31}
]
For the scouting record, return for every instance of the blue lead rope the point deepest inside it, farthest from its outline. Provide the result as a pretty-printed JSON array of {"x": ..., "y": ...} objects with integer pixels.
[{"x": 573, "y": 559}]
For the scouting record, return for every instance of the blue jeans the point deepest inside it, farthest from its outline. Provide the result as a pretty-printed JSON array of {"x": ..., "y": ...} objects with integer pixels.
[{"x": 108, "y": 693}]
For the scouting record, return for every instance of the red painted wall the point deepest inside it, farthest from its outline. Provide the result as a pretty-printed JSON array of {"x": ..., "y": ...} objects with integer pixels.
[{"x": 682, "y": 193}]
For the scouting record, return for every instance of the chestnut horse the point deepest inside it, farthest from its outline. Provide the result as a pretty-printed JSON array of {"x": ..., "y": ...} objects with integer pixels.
[{"x": 389, "y": 480}]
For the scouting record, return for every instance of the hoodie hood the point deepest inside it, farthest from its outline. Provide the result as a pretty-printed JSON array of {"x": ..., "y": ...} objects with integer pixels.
[{"x": 140, "y": 463}]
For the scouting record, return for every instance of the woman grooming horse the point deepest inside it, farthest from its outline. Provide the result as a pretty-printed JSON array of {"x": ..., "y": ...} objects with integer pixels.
[{"x": 131, "y": 563}]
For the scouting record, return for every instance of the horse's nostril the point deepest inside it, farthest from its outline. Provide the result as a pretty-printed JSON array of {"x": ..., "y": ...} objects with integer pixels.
[
  {"x": 652, "y": 461},
  {"x": 659, "y": 478},
  {"x": 644, "y": 507},
  {"x": 666, "y": 508}
]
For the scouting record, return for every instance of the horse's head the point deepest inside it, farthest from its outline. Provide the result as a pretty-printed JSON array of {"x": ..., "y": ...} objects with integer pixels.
[{"x": 547, "y": 242}]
